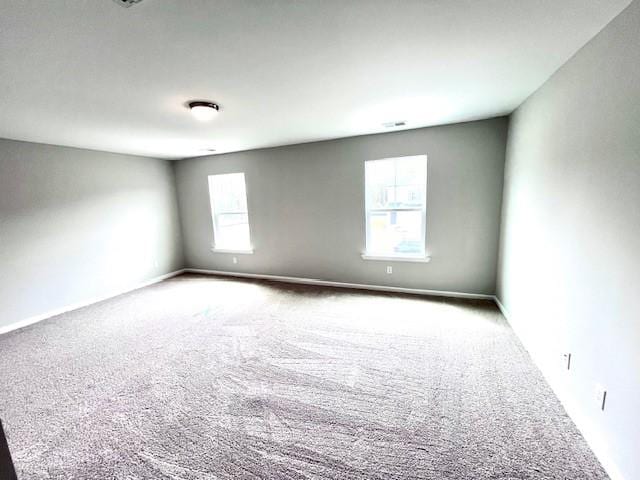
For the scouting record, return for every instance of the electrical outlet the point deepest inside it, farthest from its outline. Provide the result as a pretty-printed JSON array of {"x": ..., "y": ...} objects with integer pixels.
[
  {"x": 566, "y": 361},
  {"x": 600, "y": 394},
  {"x": 235, "y": 259},
  {"x": 389, "y": 269}
]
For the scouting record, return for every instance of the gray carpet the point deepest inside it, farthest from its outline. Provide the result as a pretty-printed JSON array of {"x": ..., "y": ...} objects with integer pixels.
[{"x": 205, "y": 378}]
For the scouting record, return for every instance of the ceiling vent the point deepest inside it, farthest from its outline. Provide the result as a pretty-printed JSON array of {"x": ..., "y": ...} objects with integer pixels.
[
  {"x": 401, "y": 123},
  {"x": 127, "y": 3}
]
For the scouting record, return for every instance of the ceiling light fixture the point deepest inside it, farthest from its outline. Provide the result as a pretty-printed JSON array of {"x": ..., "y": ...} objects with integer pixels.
[
  {"x": 127, "y": 3},
  {"x": 204, "y": 111}
]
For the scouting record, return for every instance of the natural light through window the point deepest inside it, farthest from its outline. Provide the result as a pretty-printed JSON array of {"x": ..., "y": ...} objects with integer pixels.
[
  {"x": 396, "y": 195},
  {"x": 228, "y": 196}
]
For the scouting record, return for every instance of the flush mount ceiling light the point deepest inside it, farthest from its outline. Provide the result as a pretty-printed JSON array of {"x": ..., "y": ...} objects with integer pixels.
[{"x": 204, "y": 111}]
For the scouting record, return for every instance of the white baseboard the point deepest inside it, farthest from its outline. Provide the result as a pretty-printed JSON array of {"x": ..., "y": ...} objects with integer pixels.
[
  {"x": 503, "y": 309},
  {"x": 357, "y": 286},
  {"x": 536, "y": 352},
  {"x": 306, "y": 281},
  {"x": 67, "y": 308}
]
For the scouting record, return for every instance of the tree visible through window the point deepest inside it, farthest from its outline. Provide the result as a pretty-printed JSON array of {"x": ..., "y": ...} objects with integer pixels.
[
  {"x": 396, "y": 194},
  {"x": 228, "y": 197}
]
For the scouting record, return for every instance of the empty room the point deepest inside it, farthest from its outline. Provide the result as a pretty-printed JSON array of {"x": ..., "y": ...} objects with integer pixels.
[{"x": 320, "y": 239}]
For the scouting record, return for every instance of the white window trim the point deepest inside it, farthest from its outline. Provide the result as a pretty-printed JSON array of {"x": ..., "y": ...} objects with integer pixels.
[
  {"x": 399, "y": 257},
  {"x": 248, "y": 251},
  {"x": 227, "y": 250}
]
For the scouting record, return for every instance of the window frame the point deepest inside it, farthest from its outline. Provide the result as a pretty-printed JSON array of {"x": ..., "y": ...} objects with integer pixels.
[
  {"x": 215, "y": 214},
  {"x": 402, "y": 257}
]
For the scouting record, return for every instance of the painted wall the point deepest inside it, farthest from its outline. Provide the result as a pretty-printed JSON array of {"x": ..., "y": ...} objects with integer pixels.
[
  {"x": 306, "y": 208},
  {"x": 78, "y": 224},
  {"x": 569, "y": 271}
]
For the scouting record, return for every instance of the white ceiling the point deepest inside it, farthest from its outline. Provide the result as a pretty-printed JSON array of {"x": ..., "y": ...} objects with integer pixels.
[{"x": 89, "y": 73}]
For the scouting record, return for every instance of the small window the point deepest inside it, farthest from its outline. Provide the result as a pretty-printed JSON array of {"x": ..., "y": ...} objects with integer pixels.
[
  {"x": 228, "y": 196},
  {"x": 396, "y": 197}
]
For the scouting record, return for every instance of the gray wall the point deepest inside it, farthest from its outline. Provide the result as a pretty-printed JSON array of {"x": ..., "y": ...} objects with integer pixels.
[
  {"x": 78, "y": 224},
  {"x": 306, "y": 208},
  {"x": 569, "y": 271}
]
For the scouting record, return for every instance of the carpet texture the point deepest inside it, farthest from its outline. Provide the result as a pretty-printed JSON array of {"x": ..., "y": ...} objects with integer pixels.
[{"x": 208, "y": 378}]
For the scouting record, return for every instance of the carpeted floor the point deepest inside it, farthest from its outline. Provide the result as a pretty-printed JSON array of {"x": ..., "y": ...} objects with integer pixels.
[{"x": 206, "y": 378}]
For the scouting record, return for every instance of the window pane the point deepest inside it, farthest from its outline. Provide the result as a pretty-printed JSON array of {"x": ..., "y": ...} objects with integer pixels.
[
  {"x": 396, "y": 232},
  {"x": 411, "y": 170},
  {"x": 229, "y": 211},
  {"x": 380, "y": 179},
  {"x": 228, "y": 192},
  {"x": 396, "y": 182},
  {"x": 232, "y": 232},
  {"x": 395, "y": 202}
]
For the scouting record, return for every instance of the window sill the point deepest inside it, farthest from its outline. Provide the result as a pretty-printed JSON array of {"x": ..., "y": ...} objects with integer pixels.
[
  {"x": 228, "y": 250},
  {"x": 399, "y": 258}
]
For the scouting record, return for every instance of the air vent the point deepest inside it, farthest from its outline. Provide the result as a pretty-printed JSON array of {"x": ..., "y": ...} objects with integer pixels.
[
  {"x": 127, "y": 3},
  {"x": 401, "y": 123}
]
